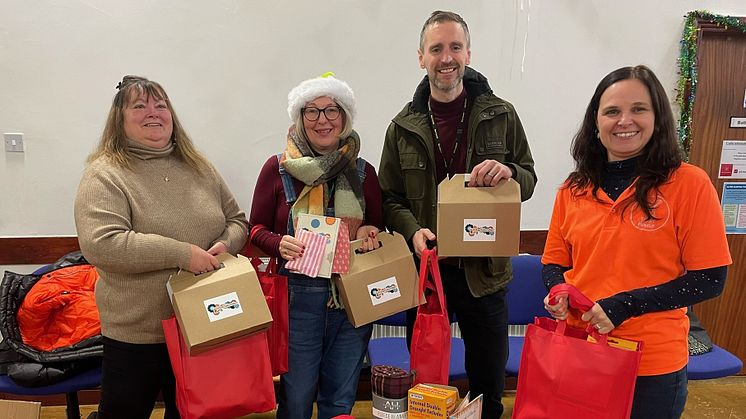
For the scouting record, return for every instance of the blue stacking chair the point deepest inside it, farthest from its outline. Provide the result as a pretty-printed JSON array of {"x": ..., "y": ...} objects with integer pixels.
[
  {"x": 714, "y": 364},
  {"x": 393, "y": 350},
  {"x": 525, "y": 298},
  {"x": 69, "y": 387}
]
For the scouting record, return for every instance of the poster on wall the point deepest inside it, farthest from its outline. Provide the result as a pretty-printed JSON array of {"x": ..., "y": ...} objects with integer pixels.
[
  {"x": 734, "y": 207},
  {"x": 733, "y": 160}
]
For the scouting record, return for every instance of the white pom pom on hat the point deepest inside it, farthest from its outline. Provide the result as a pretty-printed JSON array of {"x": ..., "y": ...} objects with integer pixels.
[{"x": 324, "y": 85}]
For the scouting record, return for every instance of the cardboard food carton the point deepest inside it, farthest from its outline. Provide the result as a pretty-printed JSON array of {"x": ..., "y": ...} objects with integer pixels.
[
  {"x": 431, "y": 402},
  {"x": 381, "y": 282},
  {"x": 478, "y": 221},
  {"x": 16, "y": 409},
  {"x": 219, "y": 306}
]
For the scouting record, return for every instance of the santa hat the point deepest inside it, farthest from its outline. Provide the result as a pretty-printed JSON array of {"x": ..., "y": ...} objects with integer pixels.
[{"x": 324, "y": 85}]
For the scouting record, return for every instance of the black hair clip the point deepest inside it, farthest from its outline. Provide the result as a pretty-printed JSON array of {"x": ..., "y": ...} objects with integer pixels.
[{"x": 119, "y": 85}]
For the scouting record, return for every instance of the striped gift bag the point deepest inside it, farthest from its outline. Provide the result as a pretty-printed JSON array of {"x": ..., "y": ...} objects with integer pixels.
[{"x": 310, "y": 262}]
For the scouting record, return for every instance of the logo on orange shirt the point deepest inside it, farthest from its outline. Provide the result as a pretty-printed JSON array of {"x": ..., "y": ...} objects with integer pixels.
[{"x": 660, "y": 211}]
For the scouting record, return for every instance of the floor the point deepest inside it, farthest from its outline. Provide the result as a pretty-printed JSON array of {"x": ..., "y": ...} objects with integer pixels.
[{"x": 722, "y": 398}]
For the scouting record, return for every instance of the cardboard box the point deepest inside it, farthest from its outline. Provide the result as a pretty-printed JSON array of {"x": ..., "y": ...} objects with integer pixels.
[
  {"x": 219, "y": 306},
  {"x": 381, "y": 282},
  {"x": 476, "y": 221},
  {"x": 431, "y": 402},
  {"x": 16, "y": 409}
]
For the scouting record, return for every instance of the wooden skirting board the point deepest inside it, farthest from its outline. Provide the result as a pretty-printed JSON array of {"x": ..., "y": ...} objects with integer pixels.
[{"x": 42, "y": 250}]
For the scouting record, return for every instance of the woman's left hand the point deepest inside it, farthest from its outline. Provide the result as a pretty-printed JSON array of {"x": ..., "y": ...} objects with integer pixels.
[
  {"x": 598, "y": 319},
  {"x": 217, "y": 249},
  {"x": 369, "y": 235}
]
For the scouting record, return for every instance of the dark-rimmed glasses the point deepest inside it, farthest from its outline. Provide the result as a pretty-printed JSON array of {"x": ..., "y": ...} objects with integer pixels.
[{"x": 330, "y": 112}]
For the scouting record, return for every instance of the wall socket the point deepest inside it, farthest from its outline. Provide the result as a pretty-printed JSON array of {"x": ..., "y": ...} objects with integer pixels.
[{"x": 13, "y": 142}]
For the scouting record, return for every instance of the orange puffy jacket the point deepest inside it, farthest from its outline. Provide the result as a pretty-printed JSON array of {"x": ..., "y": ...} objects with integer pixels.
[{"x": 60, "y": 309}]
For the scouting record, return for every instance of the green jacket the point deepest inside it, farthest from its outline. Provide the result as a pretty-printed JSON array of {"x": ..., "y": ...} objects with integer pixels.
[{"x": 407, "y": 169}]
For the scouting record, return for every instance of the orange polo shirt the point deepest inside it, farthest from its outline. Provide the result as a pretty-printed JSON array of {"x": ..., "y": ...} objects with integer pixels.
[{"x": 610, "y": 253}]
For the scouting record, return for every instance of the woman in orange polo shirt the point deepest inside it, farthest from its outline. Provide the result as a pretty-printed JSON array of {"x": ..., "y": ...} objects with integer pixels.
[{"x": 639, "y": 232}]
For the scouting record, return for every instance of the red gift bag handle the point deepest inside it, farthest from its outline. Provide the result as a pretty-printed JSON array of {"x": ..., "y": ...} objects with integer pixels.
[
  {"x": 255, "y": 261},
  {"x": 575, "y": 298},
  {"x": 578, "y": 300},
  {"x": 429, "y": 264}
]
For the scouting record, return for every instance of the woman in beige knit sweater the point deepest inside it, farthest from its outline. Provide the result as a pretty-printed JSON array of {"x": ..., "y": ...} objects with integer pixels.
[{"x": 148, "y": 204}]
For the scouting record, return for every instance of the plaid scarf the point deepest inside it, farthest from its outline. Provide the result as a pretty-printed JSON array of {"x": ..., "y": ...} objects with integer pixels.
[{"x": 324, "y": 175}]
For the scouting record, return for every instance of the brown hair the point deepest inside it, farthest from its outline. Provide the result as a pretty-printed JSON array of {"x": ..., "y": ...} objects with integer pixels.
[
  {"x": 113, "y": 143},
  {"x": 440, "y": 16}
]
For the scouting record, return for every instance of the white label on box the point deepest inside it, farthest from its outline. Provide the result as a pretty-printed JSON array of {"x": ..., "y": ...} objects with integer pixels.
[
  {"x": 479, "y": 229},
  {"x": 383, "y": 291},
  {"x": 223, "y": 306},
  {"x": 381, "y": 414}
]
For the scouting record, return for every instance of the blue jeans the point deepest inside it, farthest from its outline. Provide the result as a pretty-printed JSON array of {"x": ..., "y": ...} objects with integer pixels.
[
  {"x": 660, "y": 396},
  {"x": 325, "y": 354}
]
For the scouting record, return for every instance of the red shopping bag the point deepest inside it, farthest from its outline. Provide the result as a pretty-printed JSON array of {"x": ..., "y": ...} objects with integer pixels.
[
  {"x": 563, "y": 375},
  {"x": 430, "y": 351},
  {"x": 275, "y": 289},
  {"x": 231, "y": 380}
]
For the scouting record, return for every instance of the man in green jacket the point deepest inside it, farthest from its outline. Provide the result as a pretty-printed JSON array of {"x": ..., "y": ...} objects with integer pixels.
[{"x": 455, "y": 124}]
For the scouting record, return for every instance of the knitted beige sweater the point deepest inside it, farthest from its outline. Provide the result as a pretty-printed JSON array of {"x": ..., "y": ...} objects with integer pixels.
[{"x": 135, "y": 228}]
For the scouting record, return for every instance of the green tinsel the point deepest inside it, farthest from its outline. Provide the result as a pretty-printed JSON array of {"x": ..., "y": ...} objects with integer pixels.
[{"x": 687, "y": 84}]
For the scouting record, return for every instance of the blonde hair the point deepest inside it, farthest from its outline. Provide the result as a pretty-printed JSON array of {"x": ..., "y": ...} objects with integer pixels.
[
  {"x": 346, "y": 128},
  {"x": 113, "y": 143}
]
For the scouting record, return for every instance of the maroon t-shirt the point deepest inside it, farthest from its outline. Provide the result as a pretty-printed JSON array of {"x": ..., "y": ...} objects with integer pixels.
[
  {"x": 447, "y": 117},
  {"x": 270, "y": 209}
]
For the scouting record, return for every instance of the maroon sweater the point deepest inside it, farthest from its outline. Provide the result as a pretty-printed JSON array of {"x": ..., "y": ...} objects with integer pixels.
[{"x": 270, "y": 209}]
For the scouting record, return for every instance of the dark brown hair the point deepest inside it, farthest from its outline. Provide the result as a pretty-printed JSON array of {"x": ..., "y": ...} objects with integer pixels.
[{"x": 660, "y": 157}]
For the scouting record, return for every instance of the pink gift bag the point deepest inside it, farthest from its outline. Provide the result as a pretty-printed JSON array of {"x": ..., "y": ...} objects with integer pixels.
[
  {"x": 341, "y": 264},
  {"x": 310, "y": 262}
]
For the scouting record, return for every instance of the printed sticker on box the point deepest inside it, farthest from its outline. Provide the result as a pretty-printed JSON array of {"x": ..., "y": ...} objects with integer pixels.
[
  {"x": 223, "y": 306},
  {"x": 383, "y": 291},
  {"x": 479, "y": 229}
]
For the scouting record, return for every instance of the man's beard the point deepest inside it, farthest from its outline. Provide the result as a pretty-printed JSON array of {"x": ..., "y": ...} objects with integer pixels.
[{"x": 447, "y": 87}]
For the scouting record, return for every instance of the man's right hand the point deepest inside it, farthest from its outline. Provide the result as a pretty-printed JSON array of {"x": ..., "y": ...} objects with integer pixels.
[{"x": 420, "y": 238}]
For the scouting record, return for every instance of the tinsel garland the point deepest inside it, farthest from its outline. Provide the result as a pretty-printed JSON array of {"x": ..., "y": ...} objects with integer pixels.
[{"x": 687, "y": 84}]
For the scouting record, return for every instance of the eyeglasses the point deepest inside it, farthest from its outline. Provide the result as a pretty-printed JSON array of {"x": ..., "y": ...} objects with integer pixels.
[{"x": 330, "y": 112}]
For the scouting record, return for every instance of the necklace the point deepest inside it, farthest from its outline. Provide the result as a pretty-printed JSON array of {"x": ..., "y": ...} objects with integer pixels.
[
  {"x": 163, "y": 172},
  {"x": 459, "y": 132}
]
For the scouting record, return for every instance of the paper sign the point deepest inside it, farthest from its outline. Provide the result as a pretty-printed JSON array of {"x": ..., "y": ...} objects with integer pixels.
[
  {"x": 733, "y": 160},
  {"x": 734, "y": 207},
  {"x": 736, "y": 122}
]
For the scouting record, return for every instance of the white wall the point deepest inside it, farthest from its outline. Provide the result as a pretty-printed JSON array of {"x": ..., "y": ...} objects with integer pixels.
[{"x": 228, "y": 65}]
